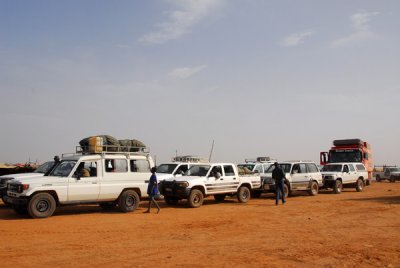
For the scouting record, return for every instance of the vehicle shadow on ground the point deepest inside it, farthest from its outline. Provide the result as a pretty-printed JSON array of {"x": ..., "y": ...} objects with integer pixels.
[
  {"x": 383, "y": 199},
  {"x": 8, "y": 213}
]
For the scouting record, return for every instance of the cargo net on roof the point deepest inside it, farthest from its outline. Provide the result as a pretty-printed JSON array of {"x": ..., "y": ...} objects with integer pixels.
[{"x": 107, "y": 143}]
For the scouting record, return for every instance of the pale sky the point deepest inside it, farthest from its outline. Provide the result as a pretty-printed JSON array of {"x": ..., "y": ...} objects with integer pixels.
[{"x": 262, "y": 78}]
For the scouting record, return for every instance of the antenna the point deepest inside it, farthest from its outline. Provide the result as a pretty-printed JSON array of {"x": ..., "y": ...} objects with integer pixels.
[{"x": 212, "y": 147}]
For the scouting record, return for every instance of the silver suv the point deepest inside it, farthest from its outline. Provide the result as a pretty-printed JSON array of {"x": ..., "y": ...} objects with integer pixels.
[{"x": 299, "y": 176}]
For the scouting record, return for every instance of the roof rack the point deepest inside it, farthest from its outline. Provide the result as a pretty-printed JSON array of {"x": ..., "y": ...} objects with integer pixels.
[
  {"x": 300, "y": 161},
  {"x": 111, "y": 149},
  {"x": 190, "y": 159},
  {"x": 260, "y": 159}
]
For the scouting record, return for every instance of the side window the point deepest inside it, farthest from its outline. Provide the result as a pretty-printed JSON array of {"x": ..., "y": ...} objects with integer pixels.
[
  {"x": 312, "y": 168},
  {"x": 351, "y": 167},
  {"x": 115, "y": 165},
  {"x": 303, "y": 168},
  {"x": 266, "y": 166},
  {"x": 140, "y": 165},
  {"x": 345, "y": 168},
  {"x": 296, "y": 169},
  {"x": 87, "y": 169},
  {"x": 258, "y": 168},
  {"x": 360, "y": 167},
  {"x": 182, "y": 169},
  {"x": 229, "y": 171}
]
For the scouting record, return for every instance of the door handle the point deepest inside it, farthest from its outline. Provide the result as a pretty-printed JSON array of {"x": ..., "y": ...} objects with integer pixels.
[{"x": 234, "y": 178}]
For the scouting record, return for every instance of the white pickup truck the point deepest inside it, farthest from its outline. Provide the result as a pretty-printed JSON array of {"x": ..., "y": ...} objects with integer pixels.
[
  {"x": 218, "y": 179},
  {"x": 178, "y": 166},
  {"x": 109, "y": 179},
  {"x": 339, "y": 175}
]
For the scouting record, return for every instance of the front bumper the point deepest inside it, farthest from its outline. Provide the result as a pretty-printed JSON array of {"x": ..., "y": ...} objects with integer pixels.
[
  {"x": 170, "y": 189},
  {"x": 15, "y": 201}
]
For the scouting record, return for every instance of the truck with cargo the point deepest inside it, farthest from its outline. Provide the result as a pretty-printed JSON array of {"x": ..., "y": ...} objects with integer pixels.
[
  {"x": 350, "y": 151},
  {"x": 111, "y": 177},
  {"x": 259, "y": 166},
  {"x": 212, "y": 179},
  {"x": 338, "y": 175},
  {"x": 390, "y": 173}
]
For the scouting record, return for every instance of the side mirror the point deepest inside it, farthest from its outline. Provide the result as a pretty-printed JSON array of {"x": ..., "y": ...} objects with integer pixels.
[{"x": 77, "y": 175}]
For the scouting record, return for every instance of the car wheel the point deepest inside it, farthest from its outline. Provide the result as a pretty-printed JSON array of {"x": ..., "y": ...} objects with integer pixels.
[
  {"x": 195, "y": 199},
  {"x": 128, "y": 201},
  {"x": 313, "y": 188},
  {"x": 243, "y": 194},
  {"x": 41, "y": 205},
  {"x": 378, "y": 178},
  {"x": 337, "y": 187},
  {"x": 171, "y": 200},
  {"x": 219, "y": 197},
  {"x": 359, "y": 185},
  {"x": 108, "y": 205}
]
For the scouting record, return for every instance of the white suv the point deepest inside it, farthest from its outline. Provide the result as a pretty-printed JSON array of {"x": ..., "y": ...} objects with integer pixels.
[
  {"x": 300, "y": 176},
  {"x": 338, "y": 175}
]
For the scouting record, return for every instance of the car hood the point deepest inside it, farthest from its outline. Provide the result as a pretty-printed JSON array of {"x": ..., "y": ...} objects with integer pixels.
[
  {"x": 184, "y": 178},
  {"x": 21, "y": 176},
  {"x": 40, "y": 180}
]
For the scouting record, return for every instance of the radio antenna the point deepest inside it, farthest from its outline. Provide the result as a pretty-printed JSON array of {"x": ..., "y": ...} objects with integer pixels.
[{"x": 212, "y": 147}]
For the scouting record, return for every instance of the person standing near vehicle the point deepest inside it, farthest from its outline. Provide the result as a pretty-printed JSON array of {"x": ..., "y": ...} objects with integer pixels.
[
  {"x": 279, "y": 176},
  {"x": 152, "y": 190}
]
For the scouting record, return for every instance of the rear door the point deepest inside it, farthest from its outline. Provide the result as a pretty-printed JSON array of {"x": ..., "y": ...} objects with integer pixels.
[{"x": 300, "y": 177}]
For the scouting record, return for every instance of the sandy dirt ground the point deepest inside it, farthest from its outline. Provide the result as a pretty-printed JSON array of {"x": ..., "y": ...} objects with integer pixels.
[{"x": 347, "y": 230}]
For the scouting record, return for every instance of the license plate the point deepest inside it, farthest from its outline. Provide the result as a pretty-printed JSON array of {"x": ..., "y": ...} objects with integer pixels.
[{"x": 168, "y": 189}]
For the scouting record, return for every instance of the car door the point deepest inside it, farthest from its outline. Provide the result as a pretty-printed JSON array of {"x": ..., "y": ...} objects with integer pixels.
[
  {"x": 347, "y": 177},
  {"x": 300, "y": 177},
  {"x": 84, "y": 184},
  {"x": 215, "y": 180}
]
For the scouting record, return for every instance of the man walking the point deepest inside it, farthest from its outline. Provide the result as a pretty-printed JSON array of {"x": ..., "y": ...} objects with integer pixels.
[
  {"x": 279, "y": 176},
  {"x": 152, "y": 190}
]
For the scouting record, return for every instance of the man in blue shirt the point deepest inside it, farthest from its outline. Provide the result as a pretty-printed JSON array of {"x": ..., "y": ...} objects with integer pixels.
[{"x": 152, "y": 190}]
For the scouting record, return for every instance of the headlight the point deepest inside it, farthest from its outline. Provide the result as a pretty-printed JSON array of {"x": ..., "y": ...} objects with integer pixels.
[{"x": 182, "y": 184}]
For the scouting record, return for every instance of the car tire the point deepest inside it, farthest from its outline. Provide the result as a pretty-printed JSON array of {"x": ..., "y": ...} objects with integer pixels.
[
  {"x": 219, "y": 197},
  {"x": 243, "y": 194},
  {"x": 195, "y": 199},
  {"x": 108, "y": 205},
  {"x": 313, "y": 188},
  {"x": 171, "y": 200},
  {"x": 128, "y": 201},
  {"x": 359, "y": 185},
  {"x": 378, "y": 178},
  {"x": 41, "y": 205},
  {"x": 337, "y": 187}
]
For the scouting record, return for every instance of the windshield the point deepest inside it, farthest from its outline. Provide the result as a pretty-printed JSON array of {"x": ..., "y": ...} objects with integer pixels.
[
  {"x": 43, "y": 168},
  {"x": 344, "y": 156},
  {"x": 285, "y": 168},
  {"x": 166, "y": 168},
  {"x": 248, "y": 166},
  {"x": 332, "y": 168},
  {"x": 64, "y": 168},
  {"x": 200, "y": 170}
]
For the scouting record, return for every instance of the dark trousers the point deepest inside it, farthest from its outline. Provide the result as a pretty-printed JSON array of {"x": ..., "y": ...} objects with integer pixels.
[{"x": 279, "y": 191}]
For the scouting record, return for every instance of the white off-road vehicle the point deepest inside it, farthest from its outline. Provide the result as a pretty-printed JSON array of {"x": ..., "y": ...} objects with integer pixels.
[
  {"x": 338, "y": 175},
  {"x": 218, "y": 179},
  {"x": 109, "y": 178},
  {"x": 178, "y": 166},
  {"x": 299, "y": 176}
]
